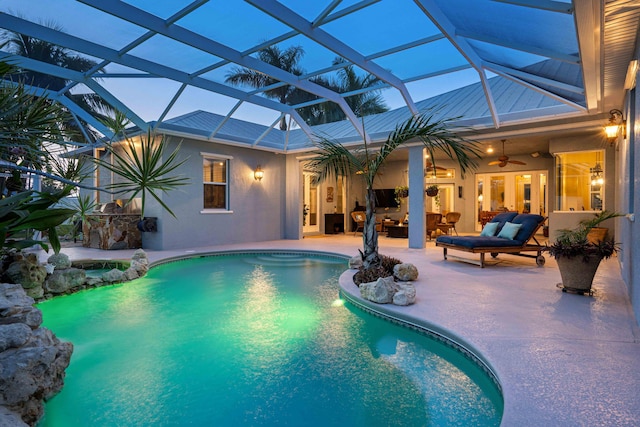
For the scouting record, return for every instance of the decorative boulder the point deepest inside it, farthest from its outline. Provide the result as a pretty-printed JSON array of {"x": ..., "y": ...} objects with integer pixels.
[
  {"x": 405, "y": 272},
  {"x": 33, "y": 360},
  {"x": 27, "y": 272},
  {"x": 381, "y": 291},
  {"x": 113, "y": 276},
  {"x": 355, "y": 262},
  {"x": 131, "y": 274},
  {"x": 61, "y": 281},
  {"x": 61, "y": 261},
  {"x": 406, "y": 294},
  {"x": 139, "y": 263},
  {"x": 17, "y": 307}
]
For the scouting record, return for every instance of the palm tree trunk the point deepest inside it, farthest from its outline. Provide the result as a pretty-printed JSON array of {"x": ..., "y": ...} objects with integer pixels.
[{"x": 370, "y": 234}]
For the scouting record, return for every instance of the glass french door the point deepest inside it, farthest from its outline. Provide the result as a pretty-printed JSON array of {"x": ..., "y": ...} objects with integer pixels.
[
  {"x": 524, "y": 192},
  {"x": 310, "y": 214}
]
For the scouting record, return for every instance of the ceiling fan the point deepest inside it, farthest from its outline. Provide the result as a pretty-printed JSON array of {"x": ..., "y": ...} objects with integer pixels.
[
  {"x": 429, "y": 167},
  {"x": 504, "y": 159}
]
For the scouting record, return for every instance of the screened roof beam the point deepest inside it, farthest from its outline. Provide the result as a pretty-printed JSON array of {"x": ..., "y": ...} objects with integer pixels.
[
  {"x": 171, "y": 103},
  {"x": 74, "y": 108},
  {"x": 80, "y": 45},
  {"x": 226, "y": 118},
  {"x": 590, "y": 29},
  {"x": 266, "y": 131},
  {"x": 175, "y": 32},
  {"x": 572, "y": 59},
  {"x": 553, "y": 6},
  {"x": 327, "y": 10},
  {"x": 500, "y": 69},
  {"x": 344, "y": 12},
  {"x": 440, "y": 20},
  {"x": 67, "y": 74},
  {"x": 297, "y": 22}
]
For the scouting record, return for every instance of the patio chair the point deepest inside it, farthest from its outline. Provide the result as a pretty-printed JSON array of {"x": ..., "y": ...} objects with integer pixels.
[
  {"x": 510, "y": 235},
  {"x": 452, "y": 218},
  {"x": 433, "y": 219},
  {"x": 358, "y": 218}
]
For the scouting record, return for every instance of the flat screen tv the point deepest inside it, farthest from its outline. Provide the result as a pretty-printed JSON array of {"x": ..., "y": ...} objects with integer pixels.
[{"x": 386, "y": 198}]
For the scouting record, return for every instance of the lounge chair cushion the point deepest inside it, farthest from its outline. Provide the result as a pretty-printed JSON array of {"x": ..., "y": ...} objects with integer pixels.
[
  {"x": 478, "y": 241},
  {"x": 529, "y": 223},
  {"x": 509, "y": 230},
  {"x": 503, "y": 218},
  {"x": 489, "y": 229}
]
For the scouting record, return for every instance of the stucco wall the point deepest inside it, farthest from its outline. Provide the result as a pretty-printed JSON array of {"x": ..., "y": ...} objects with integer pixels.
[
  {"x": 628, "y": 202},
  {"x": 256, "y": 207}
]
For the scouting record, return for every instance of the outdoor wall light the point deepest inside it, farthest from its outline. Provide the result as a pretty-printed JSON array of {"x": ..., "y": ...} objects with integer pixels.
[
  {"x": 616, "y": 124},
  {"x": 258, "y": 173}
]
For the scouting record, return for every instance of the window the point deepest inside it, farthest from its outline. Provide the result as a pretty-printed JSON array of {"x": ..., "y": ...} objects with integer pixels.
[
  {"x": 580, "y": 181},
  {"x": 215, "y": 171}
]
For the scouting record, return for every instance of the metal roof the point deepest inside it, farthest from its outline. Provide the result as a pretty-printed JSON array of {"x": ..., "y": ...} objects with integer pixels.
[{"x": 494, "y": 62}]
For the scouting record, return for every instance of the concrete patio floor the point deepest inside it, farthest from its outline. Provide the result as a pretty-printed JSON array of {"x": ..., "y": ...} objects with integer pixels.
[{"x": 562, "y": 359}]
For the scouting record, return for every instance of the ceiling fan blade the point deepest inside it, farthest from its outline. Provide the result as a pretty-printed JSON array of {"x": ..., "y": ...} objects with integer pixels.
[
  {"x": 495, "y": 162},
  {"x": 517, "y": 162}
]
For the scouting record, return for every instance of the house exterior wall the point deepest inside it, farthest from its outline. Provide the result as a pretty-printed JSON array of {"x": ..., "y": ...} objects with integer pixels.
[
  {"x": 628, "y": 202},
  {"x": 257, "y": 208}
]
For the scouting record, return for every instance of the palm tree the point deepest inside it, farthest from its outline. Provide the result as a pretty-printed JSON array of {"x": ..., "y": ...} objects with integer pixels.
[
  {"x": 286, "y": 60},
  {"x": 49, "y": 53},
  {"x": 335, "y": 160},
  {"x": 362, "y": 104}
]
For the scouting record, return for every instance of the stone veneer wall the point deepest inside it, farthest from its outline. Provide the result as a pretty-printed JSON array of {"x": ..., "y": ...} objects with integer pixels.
[{"x": 111, "y": 231}]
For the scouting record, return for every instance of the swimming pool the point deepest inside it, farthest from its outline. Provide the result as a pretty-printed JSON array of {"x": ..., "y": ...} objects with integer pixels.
[{"x": 257, "y": 339}]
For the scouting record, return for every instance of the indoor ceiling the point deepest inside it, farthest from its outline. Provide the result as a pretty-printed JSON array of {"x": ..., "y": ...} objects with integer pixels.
[{"x": 159, "y": 59}]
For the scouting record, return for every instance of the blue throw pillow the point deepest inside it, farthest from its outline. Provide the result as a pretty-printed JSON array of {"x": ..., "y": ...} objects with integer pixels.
[
  {"x": 509, "y": 230},
  {"x": 489, "y": 229}
]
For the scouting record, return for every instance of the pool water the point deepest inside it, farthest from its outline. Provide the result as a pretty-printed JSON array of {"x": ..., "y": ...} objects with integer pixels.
[{"x": 256, "y": 340}]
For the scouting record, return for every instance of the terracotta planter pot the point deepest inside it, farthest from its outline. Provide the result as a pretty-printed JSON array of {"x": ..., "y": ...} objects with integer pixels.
[
  {"x": 576, "y": 274},
  {"x": 597, "y": 234}
]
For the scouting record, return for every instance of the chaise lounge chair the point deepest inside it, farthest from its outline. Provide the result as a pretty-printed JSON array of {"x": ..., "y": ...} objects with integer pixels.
[{"x": 510, "y": 235}]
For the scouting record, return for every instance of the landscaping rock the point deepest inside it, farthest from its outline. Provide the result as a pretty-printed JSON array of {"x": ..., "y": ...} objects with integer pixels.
[
  {"x": 61, "y": 261},
  {"x": 131, "y": 274},
  {"x": 406, "y": 294},
  {"x": 13, "y": 335},
  {"x": 405, "y": 272},
  {"x": 32, "y": 359},
  {"x": 381, "y": 291},
  {"x": 113, "y": 276},
  {"x": 17, "y": 307},
  {"x": 27, "y": 271},
  {"x": 61, "y": 281}
]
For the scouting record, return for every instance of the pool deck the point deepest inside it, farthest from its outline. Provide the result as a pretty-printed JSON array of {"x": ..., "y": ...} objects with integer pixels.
[{"x": 562, "y": 359}]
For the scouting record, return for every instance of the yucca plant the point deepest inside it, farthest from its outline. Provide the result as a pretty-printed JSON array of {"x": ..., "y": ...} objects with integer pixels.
[{"x": 145, "y": 172}]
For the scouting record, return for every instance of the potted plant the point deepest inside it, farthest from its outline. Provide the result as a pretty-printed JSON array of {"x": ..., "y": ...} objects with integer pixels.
[
  {"x": 432, "y": 190},
  {"x": 401, "y": 192},
  {"x": 579, "y": 255}
]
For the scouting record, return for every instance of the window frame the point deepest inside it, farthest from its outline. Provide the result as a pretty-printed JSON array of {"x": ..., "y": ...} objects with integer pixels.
[
  {"x": 223, "y": 158},
  {"x": 601, "y": 154}
]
